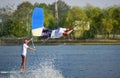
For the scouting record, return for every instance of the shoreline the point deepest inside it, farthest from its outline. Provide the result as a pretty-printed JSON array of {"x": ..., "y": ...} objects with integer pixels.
[{"x": 61, "y": 42}]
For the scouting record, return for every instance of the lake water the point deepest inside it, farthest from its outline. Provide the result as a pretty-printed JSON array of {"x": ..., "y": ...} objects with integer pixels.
[{"x": 63, "y": 61}]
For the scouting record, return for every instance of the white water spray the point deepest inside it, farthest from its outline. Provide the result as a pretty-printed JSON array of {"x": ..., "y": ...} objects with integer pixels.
[{"x": 45, "y": 69}]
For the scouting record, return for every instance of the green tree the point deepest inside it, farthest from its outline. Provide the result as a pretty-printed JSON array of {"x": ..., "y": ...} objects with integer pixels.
[
  {"x": 5, "y": 23},
  {"x": 6, "y": 27},
  {"x": 49, "y": 17},
  {"x": 22, "y": 20},
  {"x": 63, "y": 8},
  {"x": 107, "y": 25},
  {"x": 94, "y": 16},
  {"x": 76, "y": 16},
  {"x": 115, "y": 14},
  {"x": 110, "y": 22}
]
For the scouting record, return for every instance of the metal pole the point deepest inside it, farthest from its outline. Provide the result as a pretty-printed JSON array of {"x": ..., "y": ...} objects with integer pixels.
[{"x": 56, "y": 13}]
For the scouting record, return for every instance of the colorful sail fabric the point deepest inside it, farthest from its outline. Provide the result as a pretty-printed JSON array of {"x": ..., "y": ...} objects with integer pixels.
[{"x": 37, "y": 21}]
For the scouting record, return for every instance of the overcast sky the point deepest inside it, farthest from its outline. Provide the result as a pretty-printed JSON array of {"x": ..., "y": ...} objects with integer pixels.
[{"x": 81, "y": 3}]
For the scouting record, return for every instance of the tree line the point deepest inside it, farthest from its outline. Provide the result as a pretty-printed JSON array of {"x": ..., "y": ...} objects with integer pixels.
[{"x": 91, "y": 21}]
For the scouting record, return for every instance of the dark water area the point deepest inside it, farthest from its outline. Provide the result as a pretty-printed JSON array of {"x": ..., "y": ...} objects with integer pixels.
[{"x": 63, "y": 61}]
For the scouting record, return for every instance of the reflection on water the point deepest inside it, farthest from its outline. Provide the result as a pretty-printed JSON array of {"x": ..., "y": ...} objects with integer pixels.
[{"x": 63, "y": 61}]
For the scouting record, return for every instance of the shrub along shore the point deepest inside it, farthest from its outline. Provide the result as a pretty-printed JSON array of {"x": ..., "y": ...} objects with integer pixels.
[{"x": 6, "y": 42}]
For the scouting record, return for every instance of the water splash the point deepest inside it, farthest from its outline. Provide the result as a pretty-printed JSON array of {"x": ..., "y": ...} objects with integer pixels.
[{"x": 45, "y": 69}]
